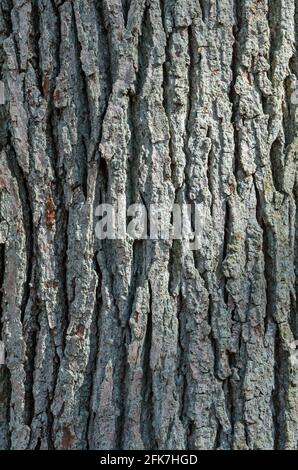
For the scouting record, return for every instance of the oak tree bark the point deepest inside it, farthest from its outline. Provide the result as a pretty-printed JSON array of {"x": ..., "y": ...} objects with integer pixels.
[{"x": 146, "y": 344}]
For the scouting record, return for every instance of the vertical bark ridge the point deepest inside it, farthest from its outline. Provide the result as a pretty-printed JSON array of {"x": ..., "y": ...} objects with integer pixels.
[{"x": 125, "y": 344}]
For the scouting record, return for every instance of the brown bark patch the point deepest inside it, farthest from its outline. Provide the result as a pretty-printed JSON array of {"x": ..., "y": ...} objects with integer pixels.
[
  {"x": 50, "y": 212},
  {"x": 67, "y": 438},
  {"x": 2, "y": 184},
  {"x": 81, "y": 331},
  {"x": 45, "y": 86}
]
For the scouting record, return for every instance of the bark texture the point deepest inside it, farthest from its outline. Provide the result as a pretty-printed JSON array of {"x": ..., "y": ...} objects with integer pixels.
[{"x": 146, "y": 344}]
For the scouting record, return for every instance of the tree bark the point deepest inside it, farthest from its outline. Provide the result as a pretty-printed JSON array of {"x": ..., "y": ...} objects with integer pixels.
[{"x": 143, "y": 344}]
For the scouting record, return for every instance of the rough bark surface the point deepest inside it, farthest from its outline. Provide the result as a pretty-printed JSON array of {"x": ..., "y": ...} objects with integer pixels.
[{"x": 147, "y": 344}]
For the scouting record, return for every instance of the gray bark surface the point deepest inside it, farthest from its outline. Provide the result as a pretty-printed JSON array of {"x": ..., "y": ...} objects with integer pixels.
[{"x": 146, "y": 344}]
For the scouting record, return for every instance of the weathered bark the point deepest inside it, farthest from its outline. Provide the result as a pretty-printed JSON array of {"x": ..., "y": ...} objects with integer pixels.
[{"x": 146, "y": 344}]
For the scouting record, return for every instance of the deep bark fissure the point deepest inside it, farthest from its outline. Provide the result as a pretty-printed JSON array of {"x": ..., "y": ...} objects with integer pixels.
[
  {"x": 2, "y": 273},
  {"x": 269, "y": 264},
  {"x": 234, "y": 98},
  {"x": 50, "y": 423},
  {"x": 83, "y": 108},
  {"x": 274, "y": 16},
  {"x": 35, "y": 44},
  {"x": 95, "y": 329},
  {"x": 181, "y": 358},
  {"x": 22, "y": 182},
  {"x": 190, "y": 104},
  {"x": 27, "y": 214},
  {"x": 64, "y": 270},
  {"x": 278, "y": 395},
  {"x": 5, "y": 398},
  {"x": 126, "y": 7},
  {"x": 143, "y": 52},
  {"x": 276, "y": 164},
  {"x": 132, "y": 190},
  {"x": 128, "y": 342},
  {"x": 271, "y": 301},
  {"x": 147, "y": 391}
]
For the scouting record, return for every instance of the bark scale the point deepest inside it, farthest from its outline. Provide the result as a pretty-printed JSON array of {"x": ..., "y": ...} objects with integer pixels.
[{"x": 144, "y": 344}]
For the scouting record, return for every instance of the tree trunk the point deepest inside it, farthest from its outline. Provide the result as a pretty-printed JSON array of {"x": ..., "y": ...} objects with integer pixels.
[{"x": 147, "y": 344}]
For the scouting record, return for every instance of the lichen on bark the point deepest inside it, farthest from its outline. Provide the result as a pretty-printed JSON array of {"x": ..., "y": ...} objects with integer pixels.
[{"x": 123, "y": 344}]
